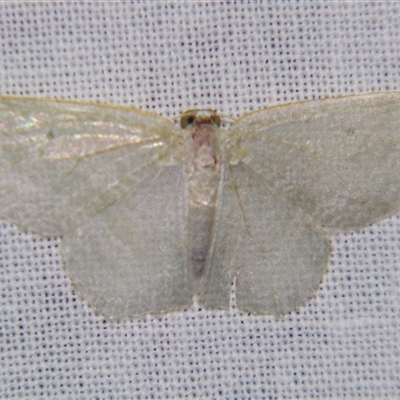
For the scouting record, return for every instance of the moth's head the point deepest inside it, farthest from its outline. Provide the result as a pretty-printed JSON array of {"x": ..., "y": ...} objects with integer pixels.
[{"x": 200, "y": 117}]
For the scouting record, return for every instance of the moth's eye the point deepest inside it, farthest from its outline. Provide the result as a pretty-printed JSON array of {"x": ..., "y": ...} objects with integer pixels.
[
  {"x": 187, "y": 119},
  {"x": 216, "y": 118}
]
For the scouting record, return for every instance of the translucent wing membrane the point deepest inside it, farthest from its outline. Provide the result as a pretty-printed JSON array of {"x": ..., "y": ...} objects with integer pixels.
[
  {"x": 131, "y": 259},
  {"x": 132, "y": 196},
  {"x": 337, "y": 159},
  {"x": 276, "y": 254},
  {"x": 62, "y": 163},
  {"x": 281, "y": 258}
]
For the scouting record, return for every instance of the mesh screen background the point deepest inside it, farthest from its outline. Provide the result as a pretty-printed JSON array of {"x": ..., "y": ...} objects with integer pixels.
[{"x": 169, "y": 57}]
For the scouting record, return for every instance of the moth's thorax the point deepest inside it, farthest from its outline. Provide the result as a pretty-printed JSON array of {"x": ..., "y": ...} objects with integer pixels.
[{"x": 204, "y": 162}]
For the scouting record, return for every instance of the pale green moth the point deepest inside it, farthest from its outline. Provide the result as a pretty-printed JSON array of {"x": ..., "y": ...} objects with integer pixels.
[{"x": 152, "y": 214}]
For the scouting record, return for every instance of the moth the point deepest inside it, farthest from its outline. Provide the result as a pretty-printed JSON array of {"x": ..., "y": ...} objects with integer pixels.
[{"x": 152, "y": 214}]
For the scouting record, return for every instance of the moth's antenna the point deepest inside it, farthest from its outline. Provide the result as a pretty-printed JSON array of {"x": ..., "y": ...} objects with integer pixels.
[{"x": 226, "y": 120}]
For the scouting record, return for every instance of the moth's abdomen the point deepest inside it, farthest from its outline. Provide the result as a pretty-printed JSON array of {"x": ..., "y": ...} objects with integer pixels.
[{"x": 201, "y": 222}]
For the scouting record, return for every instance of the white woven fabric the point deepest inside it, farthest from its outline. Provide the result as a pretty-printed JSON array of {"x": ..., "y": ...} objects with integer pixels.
[{"x": 169, "y": 57}]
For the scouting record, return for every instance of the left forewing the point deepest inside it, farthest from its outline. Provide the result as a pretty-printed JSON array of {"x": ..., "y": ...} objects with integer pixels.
[{"x": 63, "y": 162}]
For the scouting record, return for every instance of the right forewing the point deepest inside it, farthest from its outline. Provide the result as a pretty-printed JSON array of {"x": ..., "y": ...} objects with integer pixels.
[{"x": 337, "y": 159}]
